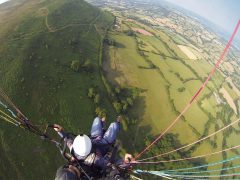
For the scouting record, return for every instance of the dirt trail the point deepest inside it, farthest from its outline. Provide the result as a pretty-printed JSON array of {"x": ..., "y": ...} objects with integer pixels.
[
  {"x": 51, "y": 29},
  {"x": 44, "y": 12}
]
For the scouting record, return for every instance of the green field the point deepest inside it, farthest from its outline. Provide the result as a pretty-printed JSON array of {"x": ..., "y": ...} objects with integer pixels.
[
  {"x": 231, "y": 92},
  {"x": 169, "y": 79}
]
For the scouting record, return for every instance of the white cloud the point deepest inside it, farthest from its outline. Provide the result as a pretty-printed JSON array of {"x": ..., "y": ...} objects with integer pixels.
[{"x": 2, "y": 1}]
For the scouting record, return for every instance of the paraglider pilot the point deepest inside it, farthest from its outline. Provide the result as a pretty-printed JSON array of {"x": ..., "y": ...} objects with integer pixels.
[{"x": 94, "y": 150}]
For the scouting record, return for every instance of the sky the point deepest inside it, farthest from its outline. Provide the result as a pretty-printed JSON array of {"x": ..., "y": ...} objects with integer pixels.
[
  {"x": 2, "y": 1},
  {"x": 224, "y": 13}
]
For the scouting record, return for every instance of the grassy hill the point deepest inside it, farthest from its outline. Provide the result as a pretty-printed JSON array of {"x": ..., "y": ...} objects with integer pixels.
[{"x": 49, "y": 59}]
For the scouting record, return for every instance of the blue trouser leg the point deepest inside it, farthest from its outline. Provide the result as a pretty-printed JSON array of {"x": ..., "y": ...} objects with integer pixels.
[
  {"x": 97, "y": 128},
  {"x": 108, "y": 138},
  {"x": 111, "y": 134}
]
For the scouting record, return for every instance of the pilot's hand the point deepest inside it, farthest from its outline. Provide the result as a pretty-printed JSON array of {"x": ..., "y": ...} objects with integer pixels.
[
  {"x": 103, "y": 119},
  {"x": 57, "y": 127},
  {"x": 128, "y": 158}
]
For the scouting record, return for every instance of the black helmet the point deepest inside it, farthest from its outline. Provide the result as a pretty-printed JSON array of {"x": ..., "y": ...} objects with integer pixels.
[{"x": 63, "y": 173}]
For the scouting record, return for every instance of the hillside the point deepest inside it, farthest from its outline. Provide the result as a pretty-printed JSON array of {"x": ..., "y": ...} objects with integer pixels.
[{"x": 49, "y": 59}]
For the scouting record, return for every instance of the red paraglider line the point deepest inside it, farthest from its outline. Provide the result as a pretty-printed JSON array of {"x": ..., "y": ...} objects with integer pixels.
[{"x": 196, "y": 94}]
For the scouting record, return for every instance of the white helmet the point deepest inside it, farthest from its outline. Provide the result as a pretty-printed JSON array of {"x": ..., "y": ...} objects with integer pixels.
[{"x": 82, "y": 145}]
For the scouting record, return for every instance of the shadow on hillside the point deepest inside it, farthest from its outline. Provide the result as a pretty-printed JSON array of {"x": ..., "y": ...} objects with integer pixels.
[
  {"x": 119, "y": 45},
  {"x": 133, "y": 134},
  {"x": 144, "y": 67},
  {"x": 134, "y": 137},
  {"x": 111, "y": 69}
]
